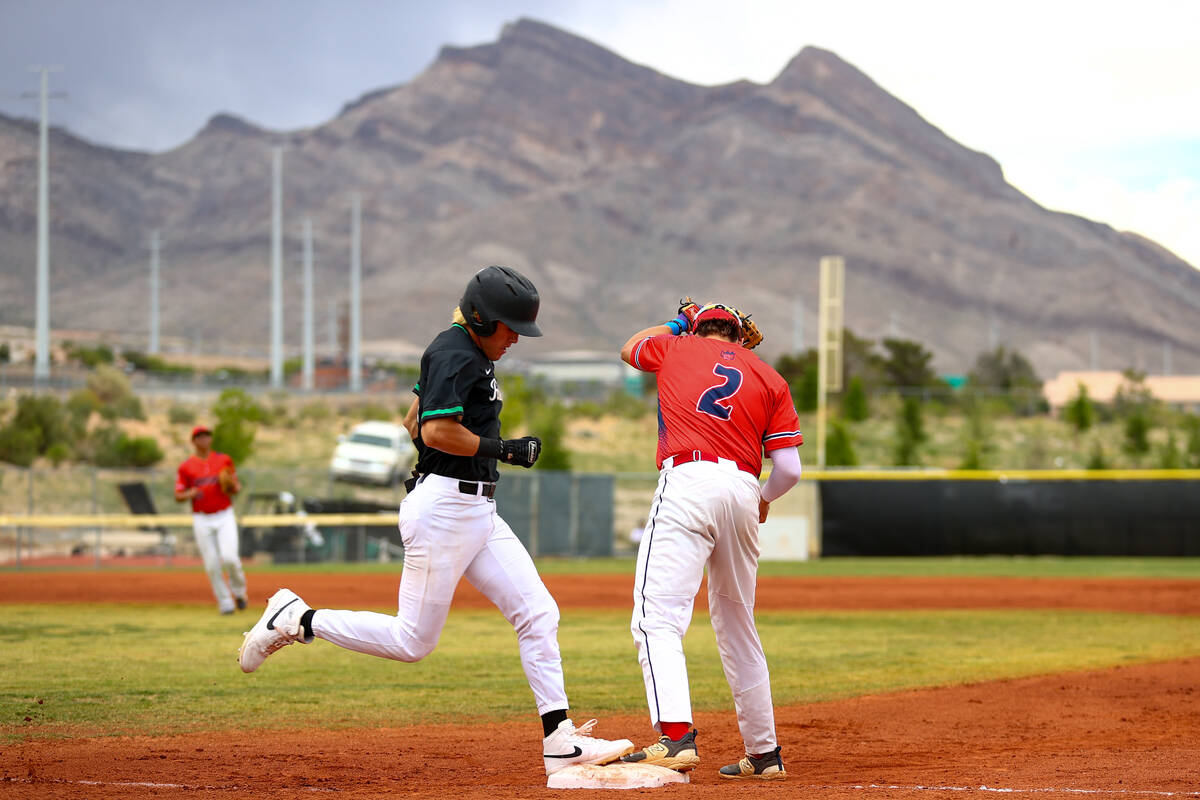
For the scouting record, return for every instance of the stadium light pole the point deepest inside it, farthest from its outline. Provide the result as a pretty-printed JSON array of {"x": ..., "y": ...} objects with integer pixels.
[
  {"x": 277, "y": 268},
  {"x": 41, "y": 364},
  {"x": 356, "y": 292},
  {"x": 154, "y": 246},
  {"x": 308, "y": 307},
  {"x": 829, "y": 341}
]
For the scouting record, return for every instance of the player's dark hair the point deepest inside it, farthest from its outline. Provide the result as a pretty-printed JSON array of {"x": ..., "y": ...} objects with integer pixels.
[{"x": 725, "y": 328}]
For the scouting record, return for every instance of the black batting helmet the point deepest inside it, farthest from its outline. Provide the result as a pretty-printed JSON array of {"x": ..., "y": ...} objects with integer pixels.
[{"x": 501, "y": 294}]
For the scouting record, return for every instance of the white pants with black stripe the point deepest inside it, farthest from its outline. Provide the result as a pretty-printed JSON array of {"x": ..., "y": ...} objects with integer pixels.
[
  {"x": 217, "y": 541},
  {"x": 702, "y": 513},
  {"x": 448, "y": 536}
]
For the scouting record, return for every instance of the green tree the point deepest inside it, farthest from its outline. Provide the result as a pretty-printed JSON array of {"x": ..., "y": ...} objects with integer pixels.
[
  {"x": 238, "y": 415},
  {"x": 549, "y": 425},
  {"x": 977, "y": 446},
  {"x": 1079, "y": 412},
  {"x": 1097, "y": 459},
  {"x": 1137, "y": 434},
  {"x": 859, "y": 360},
  {"x": 907, "y": 364},
  {"x": 800, "y": 372},
  {"x": 1169, "y": 456},
  {"x": 839, "y": 449},
  {"x": 1010, "y": 373},
  {"x": 910, "y": 433},
  {"x": 1191, "y": 424},
  {"x": 854, "y": 401}
]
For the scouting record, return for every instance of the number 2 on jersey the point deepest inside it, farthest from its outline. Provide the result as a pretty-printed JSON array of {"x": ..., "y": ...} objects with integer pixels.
[{"x": 711, "y": 401}]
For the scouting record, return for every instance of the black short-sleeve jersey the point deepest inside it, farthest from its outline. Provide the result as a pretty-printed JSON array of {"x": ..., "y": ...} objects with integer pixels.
[{"x": 458, "y": 381}]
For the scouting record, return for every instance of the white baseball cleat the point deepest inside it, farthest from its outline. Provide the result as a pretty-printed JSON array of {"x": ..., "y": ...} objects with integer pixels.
[
  {"x": 278, "y": 627},
  {"x": 570, "y": 745}
]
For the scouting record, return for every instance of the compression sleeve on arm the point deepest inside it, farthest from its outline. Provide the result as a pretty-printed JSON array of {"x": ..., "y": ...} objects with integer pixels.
[{"x": 785, "y": 472}]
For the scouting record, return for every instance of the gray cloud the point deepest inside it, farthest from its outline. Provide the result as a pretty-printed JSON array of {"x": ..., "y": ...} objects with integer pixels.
[{"x": 147, "y": 74}]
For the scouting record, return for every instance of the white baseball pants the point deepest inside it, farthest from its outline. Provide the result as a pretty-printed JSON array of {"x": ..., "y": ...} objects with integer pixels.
[
  {"x": 217, "y": 540},
  {"x": 702, "y": 513},
  {"x": 447, "y": 536}
]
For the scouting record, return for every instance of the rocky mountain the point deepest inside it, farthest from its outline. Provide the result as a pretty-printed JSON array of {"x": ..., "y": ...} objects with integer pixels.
[{"x": 617, "y": 190}]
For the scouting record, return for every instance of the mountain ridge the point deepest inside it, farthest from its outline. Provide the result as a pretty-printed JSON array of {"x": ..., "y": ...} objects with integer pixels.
[{"x": 617, "y": 189}]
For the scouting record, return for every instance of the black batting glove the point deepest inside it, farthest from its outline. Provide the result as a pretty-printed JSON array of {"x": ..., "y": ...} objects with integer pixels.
[{"x": 521, "y": 452}]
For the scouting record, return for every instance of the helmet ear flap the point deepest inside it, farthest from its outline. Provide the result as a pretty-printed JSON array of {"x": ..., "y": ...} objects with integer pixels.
[{"x": 478, "y": 324}]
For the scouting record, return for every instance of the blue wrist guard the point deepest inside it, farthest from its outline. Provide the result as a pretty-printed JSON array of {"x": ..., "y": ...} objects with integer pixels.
[{"x": 677, "y": 325}]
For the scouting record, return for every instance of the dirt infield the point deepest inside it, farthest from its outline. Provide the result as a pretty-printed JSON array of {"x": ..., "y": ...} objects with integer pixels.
[
  {"x": 378, "y": 590},
  {"x": 1132, "y": 730}
]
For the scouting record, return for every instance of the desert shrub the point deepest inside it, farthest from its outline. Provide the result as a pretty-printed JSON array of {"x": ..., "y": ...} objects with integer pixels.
[
  {"x": 39, "y": 422},
  {"x": 112, "y": 389},
  {"x": 109, "y": 446},
  {"x": 90, "y": 357},
  {"x": 58, "y": 453},
  {"x": 317, "y": 411},
  {"x": 373, "y": 411},
  {"x": 181, "y": 415},
  {"x": 18, "y": 446}
]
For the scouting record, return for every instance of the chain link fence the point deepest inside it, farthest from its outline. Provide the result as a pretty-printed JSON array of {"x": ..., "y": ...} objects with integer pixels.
[{"x": 553, "y": 513}]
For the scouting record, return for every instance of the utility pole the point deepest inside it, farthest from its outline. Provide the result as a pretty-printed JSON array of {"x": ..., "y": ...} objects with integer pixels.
[
  {"x": 356, "y": 293},
  {"x": 308, "y": 307},
  {"x": 41, "y": 365},
  {"x": 154, "y": 246},
  {"x": 277, "y": 268}
]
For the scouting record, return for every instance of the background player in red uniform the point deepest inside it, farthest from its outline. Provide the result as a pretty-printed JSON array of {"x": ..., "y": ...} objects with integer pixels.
[
  {"x": 200, "y": 480},
  {"x": 720, "y": 407}
]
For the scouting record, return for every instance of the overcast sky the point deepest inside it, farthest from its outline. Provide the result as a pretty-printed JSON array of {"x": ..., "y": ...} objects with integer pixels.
[{"x": 1090, "y": 107}]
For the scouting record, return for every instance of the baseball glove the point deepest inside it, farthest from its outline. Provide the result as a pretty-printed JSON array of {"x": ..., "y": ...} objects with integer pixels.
[
  {"x": 688, "y": 309},
  {"x": 751, "y": 336},
  {"x": 228, "y": 481}
]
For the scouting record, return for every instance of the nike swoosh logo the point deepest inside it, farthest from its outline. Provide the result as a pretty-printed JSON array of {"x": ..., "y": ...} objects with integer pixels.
[
  {"x": 578, "y": 752},
  {"x": 271, "y": 621}
]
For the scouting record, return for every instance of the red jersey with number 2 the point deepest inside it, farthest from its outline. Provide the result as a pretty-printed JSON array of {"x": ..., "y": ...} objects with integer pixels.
[
  {"x": 719, "y": 398},
  {"x": 203, "y": 472}
]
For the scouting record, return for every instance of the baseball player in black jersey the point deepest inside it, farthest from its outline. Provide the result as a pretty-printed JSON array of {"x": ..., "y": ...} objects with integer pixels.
[{"x": 449, "y": 524}]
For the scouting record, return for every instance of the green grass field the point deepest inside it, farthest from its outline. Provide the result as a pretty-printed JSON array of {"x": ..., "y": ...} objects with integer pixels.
[{"x": 84, "y": 670}]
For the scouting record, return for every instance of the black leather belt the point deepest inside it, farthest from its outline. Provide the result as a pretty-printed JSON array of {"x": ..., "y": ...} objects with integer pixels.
[
  {"x": 466, "y": 487},
  {"x": 471, "y": 487}
]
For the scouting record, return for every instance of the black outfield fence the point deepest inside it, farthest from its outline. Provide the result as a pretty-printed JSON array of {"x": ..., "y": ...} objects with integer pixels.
[{"x": 1117, "y": 513}]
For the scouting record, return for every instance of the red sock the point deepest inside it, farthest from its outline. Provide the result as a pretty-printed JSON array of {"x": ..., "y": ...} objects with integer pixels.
[{"x": 675, "y": 730}]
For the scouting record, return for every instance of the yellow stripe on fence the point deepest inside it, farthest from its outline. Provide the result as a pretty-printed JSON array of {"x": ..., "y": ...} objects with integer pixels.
[{"x": 185, "y": 520}]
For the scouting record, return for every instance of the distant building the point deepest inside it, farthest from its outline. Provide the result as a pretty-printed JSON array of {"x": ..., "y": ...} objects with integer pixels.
[
  {"x": 585, "y": 369},
  {"x": 1176, "y": 390}
]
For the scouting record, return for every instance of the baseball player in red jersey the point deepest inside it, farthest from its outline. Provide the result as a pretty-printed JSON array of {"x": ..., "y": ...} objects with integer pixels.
[
  {"x": 208, "y": 478},
  {"x": 720, "y": 408}
]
